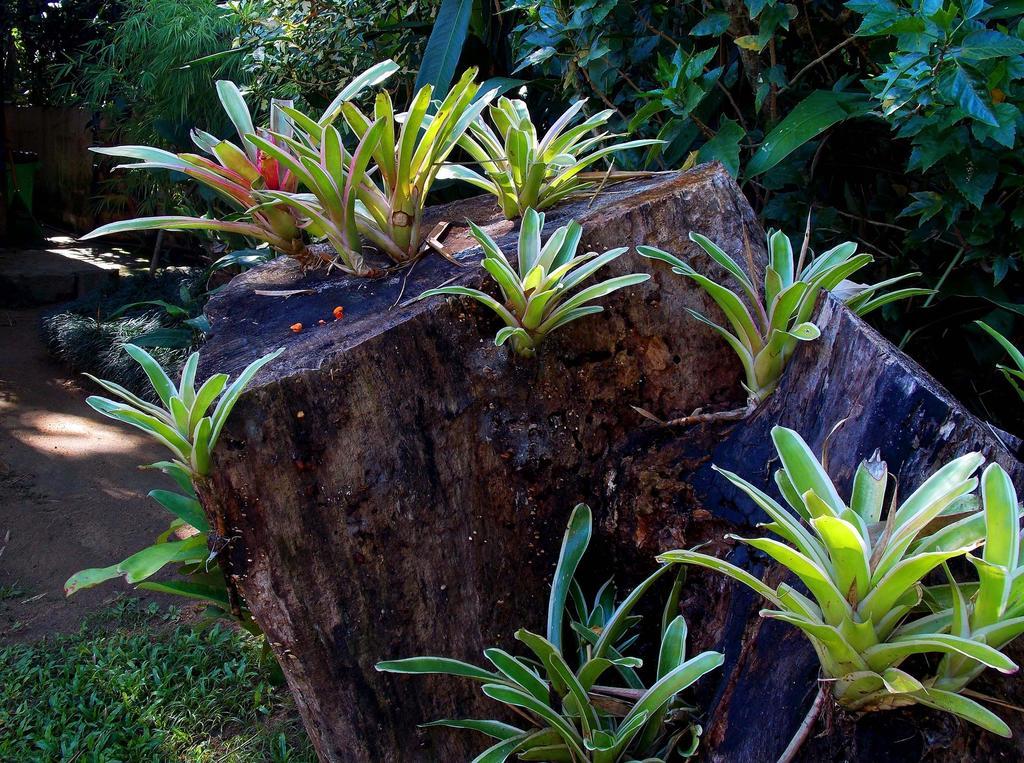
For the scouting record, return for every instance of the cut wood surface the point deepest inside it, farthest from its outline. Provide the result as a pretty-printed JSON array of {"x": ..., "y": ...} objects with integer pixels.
[{"x": 394, "y": 485}]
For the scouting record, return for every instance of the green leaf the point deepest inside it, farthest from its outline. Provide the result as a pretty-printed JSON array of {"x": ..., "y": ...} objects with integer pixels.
[
  {"x": 983, "y": 44},
  {"x": 182, "y": 506},
  {"x": 517, "y": 672},
  {"x": 895, "y": 583},
  {"x": 968, "y": 96},
  {"x": 156, "y": 428},
  {"x": 720, "y": 565},
  {"x": 901, "y": 647},
  {"x": 1002, "y": 519},
  {"x": 849, "y": 553},
  {"x": 725, "y": 146},
  {"x": 158, "y": 378},
  {"x": 618, "y": 622},
  {"x": 711, "y": 25},
  {"x": 172, "y": 338},
  {"x": 442, "y": 665},
  {"x": 673, "y": 683},
  {"x": 574, "y": 546},
  {"x": 207, "y": 393},
  {"x": 499, "y": 753},
  {"x": 90, "y": 578},
  {"x": 142, "y": 564},
  {"x": 495, "y": 729},
  {"x": 214, "y": 592},
  {"x": 593, "y": 292},
  {"x": 369, "y": 78},
  {"x": 803, "y": 468},
  {"x": 808, "y": 119},
  {"x": 964, "y": 707},
  {"x": 672, "y": 653},
  {"x": 234, "y": 104},
  {"x": 479, "y": 296},
  {"x": 230, "y": 397},
  {"x": 519, "y": 698},
  {"x": 444, "y": 47}
]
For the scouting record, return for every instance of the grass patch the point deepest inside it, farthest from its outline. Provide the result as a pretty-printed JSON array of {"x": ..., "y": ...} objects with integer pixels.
[{"x": 136, "y": 684}]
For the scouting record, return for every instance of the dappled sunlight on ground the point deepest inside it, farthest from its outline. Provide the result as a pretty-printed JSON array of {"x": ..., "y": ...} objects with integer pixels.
[
  {"x": 71, "y": 493},
  {"x": 77, "y": 436}
]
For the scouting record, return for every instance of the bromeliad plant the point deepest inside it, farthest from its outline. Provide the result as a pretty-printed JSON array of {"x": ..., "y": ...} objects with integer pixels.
[
  {"x": 406, "y": 153},
  {"x": 335, "y": 178},
  {"x": 537, "y": 295},
  {"x": 571, "y": 715},
  {"x": 184, "y": 423},
  {"x": 525, "y": 171},
  {"x": 865, "y": 577},
  {"x": 238, "y": 173},
  {"x": 1015, "y": 376},
  {"x": 766, "y": 339},
  {"x": 990, "y": 611}
]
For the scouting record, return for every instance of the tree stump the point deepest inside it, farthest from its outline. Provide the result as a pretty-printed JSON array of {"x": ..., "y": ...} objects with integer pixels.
[{"x": 395, "y": 485}]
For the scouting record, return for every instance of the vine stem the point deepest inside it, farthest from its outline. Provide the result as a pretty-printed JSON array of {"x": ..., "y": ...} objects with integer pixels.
[{"x": 789, "y": 754}]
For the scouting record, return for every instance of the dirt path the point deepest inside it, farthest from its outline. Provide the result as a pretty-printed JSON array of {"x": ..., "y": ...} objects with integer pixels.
[{"x": 71, "y": 495}]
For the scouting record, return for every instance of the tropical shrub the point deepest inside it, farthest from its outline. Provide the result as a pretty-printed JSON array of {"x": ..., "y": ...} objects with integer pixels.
[
  {"x": 898, "y": 121},
  {"x": 238, "y": 172},
  {"x": 526, "y": 171},
  {"x": 536, "y": 296},
  {"x": 766, "y": 340},
  {"x": 1015, "y": 376},
  {"x": 865, "y": 576},
  {"x": 183, "y": 423},
  {"x": 571, "y": 716},
  {"x": 286, "y": 50}
]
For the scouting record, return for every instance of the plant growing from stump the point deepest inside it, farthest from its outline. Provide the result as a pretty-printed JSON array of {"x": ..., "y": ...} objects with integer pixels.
[
  {"x": 865, "y": 573},
  {"x": 570, "y": 714},
  {"x": 237, "y": 173},
  {"x": 767, "y": 327},
  {"x": 184, "y": 423},
  {"x": 403, "y": 152},
  {"x": 537, "y": 294},
  {"x": 526, "y": 171}
]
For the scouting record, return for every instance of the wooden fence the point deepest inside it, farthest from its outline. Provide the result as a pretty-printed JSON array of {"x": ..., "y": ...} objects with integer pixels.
[{"x": 64, "y": 178}]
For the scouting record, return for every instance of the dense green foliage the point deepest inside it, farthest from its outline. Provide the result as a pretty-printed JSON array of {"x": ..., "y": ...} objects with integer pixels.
[
  {"x": 131, "y": 685},
  {"x": 134, "y": 684},
  {"x": 291, "y": 49},
  {"x": 897, "y": 121}
]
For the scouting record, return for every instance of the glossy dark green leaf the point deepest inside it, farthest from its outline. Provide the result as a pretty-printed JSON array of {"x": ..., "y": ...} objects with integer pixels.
[
  {"x": 441, "y": 56},
  {"x": 808, "y": 119}
]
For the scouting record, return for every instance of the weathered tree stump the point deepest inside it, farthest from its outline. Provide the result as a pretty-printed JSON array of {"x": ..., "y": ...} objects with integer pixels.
[{"x": 395, "y": 485}]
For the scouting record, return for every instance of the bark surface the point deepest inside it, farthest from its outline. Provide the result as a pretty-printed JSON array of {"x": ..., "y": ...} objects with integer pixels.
[{"x": 394, "y": 485}]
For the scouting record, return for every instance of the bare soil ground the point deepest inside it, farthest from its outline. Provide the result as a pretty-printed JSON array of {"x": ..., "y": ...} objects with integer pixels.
[{"x": 71, "y": 493}]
